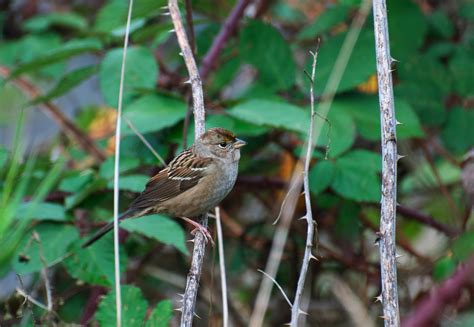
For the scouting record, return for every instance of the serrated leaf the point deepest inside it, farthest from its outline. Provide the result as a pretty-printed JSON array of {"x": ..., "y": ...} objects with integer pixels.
[
  {"x": 159, "y": 227},
  {"x": 55, "y": 240},
  {"x": 141, "y": 71},
  {"x": 67, "y": 50},
  {"x": 457, "y": 134},
  {"x": 272, "y": 113},
  {"x": 443, "y": 268},
  {"x": 361, "y": 64},
  {"x": 162, "y": 314},
  {"x": 76, "y": 180},
  {"x": 67, "y": 82},
  {"x": 366, "y": 113},
  {"x": 329, "y": 18},
  {"x": 40, "y": 23},
  {"x": 356, "y": 176},
  {"x": 321, "y": 176},
  {"x": 263, "y": 46},
  {"x": 463, "y": 247},
  {"x": 134, "y": 308},
  {"x": 144, "y": 113},
  {"x": 95, "y": 264},
  {"x": 41, "y": 211},
  {"x": 134, "y": 183}
]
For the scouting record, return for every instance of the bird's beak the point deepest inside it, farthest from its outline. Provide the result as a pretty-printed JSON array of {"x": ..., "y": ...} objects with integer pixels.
[{"x": 239, "y": 143}]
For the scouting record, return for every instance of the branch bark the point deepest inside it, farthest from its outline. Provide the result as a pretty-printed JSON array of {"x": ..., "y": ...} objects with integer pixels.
[
  {"x": 387, "y": 245},
  {"x": 192, "y": 282}
]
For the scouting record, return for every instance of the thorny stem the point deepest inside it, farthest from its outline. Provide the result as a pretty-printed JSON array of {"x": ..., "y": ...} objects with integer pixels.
[
  {"x": 192, "y": 282},
  {"x": 296, "y": 308},
  {"x": 387, "y": 245}
]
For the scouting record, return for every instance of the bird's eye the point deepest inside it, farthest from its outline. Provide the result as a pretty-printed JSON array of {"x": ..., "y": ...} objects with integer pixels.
[{"x": 223, "y": 144}]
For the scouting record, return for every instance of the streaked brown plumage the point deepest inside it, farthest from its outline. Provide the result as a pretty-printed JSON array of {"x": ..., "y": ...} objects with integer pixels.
[{"x": 193, "y": 183}]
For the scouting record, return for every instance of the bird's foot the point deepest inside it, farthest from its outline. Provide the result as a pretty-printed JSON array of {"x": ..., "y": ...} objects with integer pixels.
[{"x": 201, "y": 228}]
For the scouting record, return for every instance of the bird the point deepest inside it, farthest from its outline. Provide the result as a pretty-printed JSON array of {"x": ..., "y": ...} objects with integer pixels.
[{"x": 193, "y": 183}]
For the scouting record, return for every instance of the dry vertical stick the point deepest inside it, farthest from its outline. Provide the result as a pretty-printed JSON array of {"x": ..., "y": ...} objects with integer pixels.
[
  {"x": 192, "y": 282},
  {"x": 225, "y": 307},
  {"x": 387, "y": 245},
  {"x": 296, "y": 308}
]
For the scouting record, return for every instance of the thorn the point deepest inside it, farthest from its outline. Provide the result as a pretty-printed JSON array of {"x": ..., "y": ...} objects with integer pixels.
[
  {"x": 397, "y": 256},
  {"x": 391, "y": 70},
  {"x": 172, "y": 30},
  {"x": 302, "y": 218},
  {"x": 398, "y": 123},
  {"x": 195, "y": 314},
  {"x": 181, "y": 54},
  {"x": 167, "y": 13},
  {"x": 378, "y": 298},
  {"x": 187, "y": 82},
  {"x": 399, "y": 156},
  {"x": 164, "y": 7},
  {"x": 190, "y": 241},
  {"x": 313, "y": 257},
  {"x": 398, "y": 204},
  {"x": 394, "y": 60},
  {"x": 302, "y": 312},
  {"x": 383, "y": 317},
  {"x": 179, "y": 309}
]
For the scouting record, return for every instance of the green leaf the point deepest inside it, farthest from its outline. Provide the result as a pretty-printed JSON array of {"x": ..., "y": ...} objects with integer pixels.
[
  {"x": 441, "y": 24},
  {"x": 461, "y": 66},
  {"x": 65, "y": 51},
  {"x": 272, "y": 113},
  {"x": 463, "y": 247},
  {"x": 466, "y": 10},
  {"x": 41, "y": 211},
  {"x": 159, "y": 227},
  {"x": 361, "y": 64},
  {"x": 328, "y": 19},
  {"x": 95, "y": 264},
  {"x": 55, "y": 240},
  {"x": 67, "y": 82},
  {"x": 443, "y": 268},
  {"x": 76, "y": 181},
  {"x": 41, "y": 23},
  {"x": 263, "y": 46},
  {"x": 407, "y": 27},
  {"x": 134, "y": 308},
  {"x": 106, "y": 170},
  {"x": 162, "y": 314},
  {"x": 141, "y": 71},
  {"x": 321, "y": 176},
  {"x": 4, "y": 154},
  {"x": 365, "y": 111},
  {"x": 339, "y": 136},
  {"x": 239, "y": 127},
  {"x": 152, "y": 113},
  {"x": 458, "y": 135},
  {"x": 356, "y": 176},
  {"x": 134, "y": 183}
]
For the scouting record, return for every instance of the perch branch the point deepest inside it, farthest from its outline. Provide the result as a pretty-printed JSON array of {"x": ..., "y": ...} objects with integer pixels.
[
  {"x": 387, "y": 245},
  {"x": 429, "y": 309},
  {"x": 296, "y": 308},
  {"x": 281, "y": 233},
  {"x": 55, "y": 113},
  {"x": 208, "y": 63},
  {"x": 192, "y": 282}
]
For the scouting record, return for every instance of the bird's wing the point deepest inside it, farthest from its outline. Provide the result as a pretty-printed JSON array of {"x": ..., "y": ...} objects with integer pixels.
[{"x": 183, "y": 173}]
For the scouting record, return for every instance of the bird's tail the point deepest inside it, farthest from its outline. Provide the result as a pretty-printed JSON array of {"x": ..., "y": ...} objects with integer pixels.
[{"x": 107, "y": 228}]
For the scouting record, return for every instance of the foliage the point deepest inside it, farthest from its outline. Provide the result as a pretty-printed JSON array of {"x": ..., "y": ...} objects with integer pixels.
[{"x": 54, "y": 194}]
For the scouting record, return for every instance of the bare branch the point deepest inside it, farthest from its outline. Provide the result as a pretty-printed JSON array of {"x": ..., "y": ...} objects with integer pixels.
[
  {"x": 55, "y": 113},
  {"x": 387, "y": 245},
  {"x": 296, "y": 309},
  {"x": 192, "y": 282}
]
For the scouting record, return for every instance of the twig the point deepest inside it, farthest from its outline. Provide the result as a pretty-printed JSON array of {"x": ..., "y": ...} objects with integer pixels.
[
  {"x": 387, "y": 244},
  {"x": 281, "y": 233},
  {"x": 208, "y": 63},
  {"x": 31, "y": 300},
  {"x": 431, "y": 307},
  {"x": 44, "y": 273},
  {"x": 118, "y": 294},
  {"x": 192, "y": 282},
  {"x": 66, "y": 125},
  {"x": 278, "y": 286},
  {"x": 428, "y": 220},
  {"x": 147, "y": 144},
  {"x": 220, "y": 239},
  {"x": 296, "y": 310}
]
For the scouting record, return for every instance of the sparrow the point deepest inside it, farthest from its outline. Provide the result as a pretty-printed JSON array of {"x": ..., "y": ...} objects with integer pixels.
[{"x": 194, "y": 182}]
